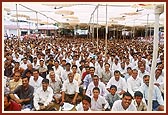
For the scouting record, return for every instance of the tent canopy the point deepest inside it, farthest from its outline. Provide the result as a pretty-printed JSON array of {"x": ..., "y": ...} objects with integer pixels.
[{"x": 122, "y": 13}]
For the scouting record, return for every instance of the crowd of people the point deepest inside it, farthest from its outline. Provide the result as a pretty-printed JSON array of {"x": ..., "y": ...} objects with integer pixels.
[{"x": 53, "y": 74}]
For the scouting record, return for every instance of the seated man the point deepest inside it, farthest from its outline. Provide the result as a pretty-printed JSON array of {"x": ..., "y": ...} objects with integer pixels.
[
  {"x": 10, "y": 105},
  {"x": 96, "y": 83},
  {"x": 70, "y": 91},
  {"x": 118, "y": 81},
  {"x": 140, "y": 105},
  {"x": 43, "y": 96},
  {"x": 23, "y": 94},
  {"x": 98, "y": 102},
  {"x": 15, "y": 82},
  {"x": 124, "y": 104},
  {"x": 85, "y": 105},
  {"x": 112, "y": 96},
  {"x": 157, "y": 99},
  {"x": 56, "y": 86}
]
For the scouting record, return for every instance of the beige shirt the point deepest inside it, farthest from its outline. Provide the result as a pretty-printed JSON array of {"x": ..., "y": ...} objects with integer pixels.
[
  {"x": 13, "y": 85},
  {"x": 77, "y": 77},
  {"x": 141, "y": 107}
]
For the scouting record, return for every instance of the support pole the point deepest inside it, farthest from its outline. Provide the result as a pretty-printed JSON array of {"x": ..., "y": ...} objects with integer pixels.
[
  {"x": 93, "y": 28},
  {"x": 146, "y": 33},
  {"x": 37, "y": 22},
  {"x": 106, "y": 33},
  {"x": 97, "y": 30},
  {"x": 158, "y": 11},
  {"x": 18, "y": 28}
]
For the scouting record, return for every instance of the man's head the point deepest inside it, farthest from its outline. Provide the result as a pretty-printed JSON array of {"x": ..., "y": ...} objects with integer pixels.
[
  {"x": 70, "y": 77},
  {"x": 117, "y": 75},
  {"x": 87, "y": 69},
  {"x": 129, "y": 70},
  {"x": 95, "y": 80},
  {"x": 86, "y": 102},
  {"x": 158, "y": 72},
  {"x": 113, "y": 89},
  {"x": 74, "y": 68},
  {"x": 41, "y": 62},
  {"x": 92, "y": 70},
  {"x": 138, "y": 96},
  {"x": 52, "y": 76},
  {"x": 25, "y": 81},
  {"x": 45, "y": 83},
  {"x": 134, "y": 73},
  {"x": 146, "y": 79},
  {"x": 56, "y": 63},
  {"x": 6, "y": 101},
  {"x": 122, "y": 65},
  {"x": 107, "y": 66},
  {"x": 16, "y": 76},
  {"x": 142, "y": 68},
  {"x": 63, "y": 62},
  {"x": 96, "y": 92},
  {"x": 30, "y": 66},
  {"x": 126, "y": 100},
  {"x": 17, "y": 64},
  {"x": 68, "y": 66},
  {"x": 36, "y": 74}
]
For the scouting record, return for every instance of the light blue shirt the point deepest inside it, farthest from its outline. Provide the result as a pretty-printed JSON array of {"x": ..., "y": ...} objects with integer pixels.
[
  {"x": 87, "y": 80},
  {"x": 156, "y": 93}
]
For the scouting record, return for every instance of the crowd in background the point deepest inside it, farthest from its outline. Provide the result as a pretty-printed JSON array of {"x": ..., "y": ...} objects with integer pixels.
[{"x": 46, "y": 74}]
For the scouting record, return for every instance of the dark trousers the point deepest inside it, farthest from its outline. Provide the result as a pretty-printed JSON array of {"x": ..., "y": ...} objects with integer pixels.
[{"x": 155, "y": 104}]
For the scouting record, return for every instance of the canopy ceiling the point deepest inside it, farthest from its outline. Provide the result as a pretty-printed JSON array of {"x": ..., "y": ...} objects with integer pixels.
[{"x": 118, "y": 13}]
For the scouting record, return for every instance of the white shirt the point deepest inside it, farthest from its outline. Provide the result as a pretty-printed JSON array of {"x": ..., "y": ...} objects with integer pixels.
[
  {"x": 24, "y": 66},
  {"x": 98, "y": 105},
  {"x": 116, "y": 67},
  {"x": 129, "y": 65},
  {"x": 134, "y": 84},
  {"x": 65, "y": 75},
  {"x": 123, "y": 71},
  {"x": 120, "y": 84},
  {"x": 99, "y": 70},
  {"x": 101, "y": 86},
  {"x": 17, "y": 59},
  {"x": 36, "y": 66},
  {"x": 117, "y": 106},
  {"x": 70, "y": 88},
  {"x": 160, "y": 80},
  {"x": 58, "y": 71},
  {"x": 140, "y": 74},
  {"x": 35, "y": 84},
  {"x": 79, "y": 107},
  {"x": 42, "y": 96}
]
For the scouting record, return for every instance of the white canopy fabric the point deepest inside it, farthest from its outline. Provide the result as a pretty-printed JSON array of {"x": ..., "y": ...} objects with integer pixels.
[{"x": 123, "y": 13}]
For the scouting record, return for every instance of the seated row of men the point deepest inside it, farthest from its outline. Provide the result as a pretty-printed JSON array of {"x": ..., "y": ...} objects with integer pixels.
[{"x": 51, "y": 94}]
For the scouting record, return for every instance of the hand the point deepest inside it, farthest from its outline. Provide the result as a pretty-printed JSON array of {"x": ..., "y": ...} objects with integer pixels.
[
  {"x": 61, "y": 103},
  {"x": 42, "y": 107},
  {"x": 157, "y": 84},
  {"x": 19, "y": 100},
  {"x": 57, "y": 101},
  {"x": 73, "y": 102}
]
